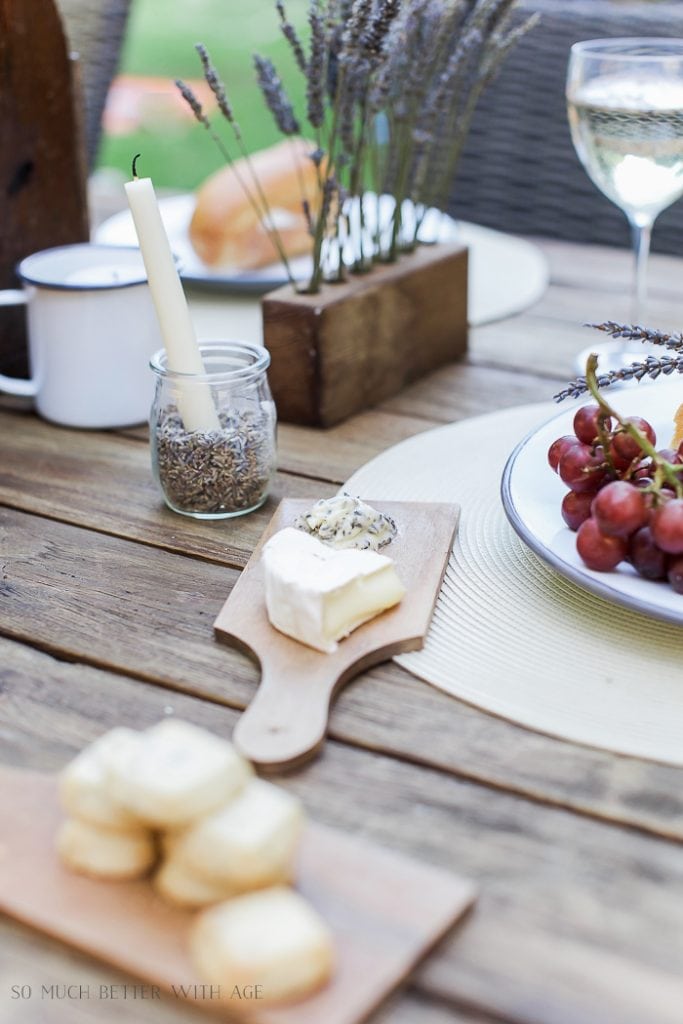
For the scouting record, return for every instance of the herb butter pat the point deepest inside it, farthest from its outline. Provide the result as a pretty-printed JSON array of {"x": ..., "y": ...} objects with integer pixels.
[
  {"x": 347, "y": 522},
  {"x": 318, "y": 595}
]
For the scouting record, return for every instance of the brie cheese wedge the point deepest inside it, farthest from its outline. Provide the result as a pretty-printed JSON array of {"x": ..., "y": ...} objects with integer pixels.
[{"x": 318, "y": 595}]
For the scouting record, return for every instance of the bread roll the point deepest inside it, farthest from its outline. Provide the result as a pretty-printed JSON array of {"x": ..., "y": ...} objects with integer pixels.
[
  {"x": 84, "y": 786},
  {"x": 225, "y": 230},
  {"x": 105, "y": 853},
  {"x": 272, "y": 939},
  {"x": 177, "y": 884},
  {"x": 176, "y": 773},
  {"x": 248, "y": 844}
]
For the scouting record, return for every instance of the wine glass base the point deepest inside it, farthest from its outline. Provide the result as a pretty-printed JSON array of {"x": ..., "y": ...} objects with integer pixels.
[{"x": 614, "y": 356}]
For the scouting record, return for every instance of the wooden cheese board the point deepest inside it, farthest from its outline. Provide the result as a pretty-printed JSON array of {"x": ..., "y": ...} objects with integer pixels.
[
  {"x": 385, "y": 911},
  {"x": 286, "y": 722}
]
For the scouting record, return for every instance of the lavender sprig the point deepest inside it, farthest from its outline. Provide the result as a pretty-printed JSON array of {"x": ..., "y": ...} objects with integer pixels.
[
  {"x": 651, "y": 367},
  {"x": 192, "y": 102},
  {"x": 352, "y": 103},
  {"x": 492, "y": 17},
  {"x": 275, "y": 96},
  {"x": 379, "y": 26},
  {"x": 330, "y": 189},
  {"x": 290, "y": 34},
  {"x": 316, "y": 78},
  {"x": 492, "y": 14},
  {"x": 287, "y": 119},
  {"x": 356, "y": 28},
  {"x": 391, "y": 87},
  {"x": 217, "y": 88},
  {"x": 634, "y": 332},
  {"x": 439, "y": 96},
  {"x": 257, "y": 200}
]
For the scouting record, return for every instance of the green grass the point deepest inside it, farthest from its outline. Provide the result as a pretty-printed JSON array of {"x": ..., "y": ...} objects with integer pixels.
[{"x": 160, "y": 41}]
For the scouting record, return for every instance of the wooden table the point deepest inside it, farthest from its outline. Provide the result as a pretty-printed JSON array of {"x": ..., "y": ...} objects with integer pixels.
[{"x": 107, "y": 603}]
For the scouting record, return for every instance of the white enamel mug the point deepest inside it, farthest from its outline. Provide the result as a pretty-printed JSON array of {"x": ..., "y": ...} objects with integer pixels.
[{"x": 92, "y": 330}]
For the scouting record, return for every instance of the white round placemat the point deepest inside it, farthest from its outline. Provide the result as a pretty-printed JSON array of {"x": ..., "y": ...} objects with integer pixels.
[{"x": 510, "y": 635}]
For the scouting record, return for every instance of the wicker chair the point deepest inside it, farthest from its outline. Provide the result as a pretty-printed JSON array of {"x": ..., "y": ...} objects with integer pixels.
[
  {"x": 519, "y": 171},
  {"x": 95, "y": 31}
]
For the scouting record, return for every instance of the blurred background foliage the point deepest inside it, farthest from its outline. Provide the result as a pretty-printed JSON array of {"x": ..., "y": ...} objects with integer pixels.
[{"x": 144, "y": 113}]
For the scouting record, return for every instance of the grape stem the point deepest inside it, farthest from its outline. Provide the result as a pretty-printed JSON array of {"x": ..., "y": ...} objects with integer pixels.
[
  {"x": 604, "y": 438},
  {"x": 664, "y": 470}
]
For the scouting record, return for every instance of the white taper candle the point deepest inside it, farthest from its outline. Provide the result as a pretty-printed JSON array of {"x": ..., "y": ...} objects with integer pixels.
[{"x": 195, "y": 403}]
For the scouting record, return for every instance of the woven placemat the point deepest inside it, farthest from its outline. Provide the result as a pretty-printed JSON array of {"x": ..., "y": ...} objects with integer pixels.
[{"x": 509, "y": 634}]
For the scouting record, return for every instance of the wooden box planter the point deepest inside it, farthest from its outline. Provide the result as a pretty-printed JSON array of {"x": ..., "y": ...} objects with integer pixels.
[{"x": 354, "y": 344}]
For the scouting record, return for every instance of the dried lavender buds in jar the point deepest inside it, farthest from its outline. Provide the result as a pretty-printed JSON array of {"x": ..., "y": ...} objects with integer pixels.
[
  {"x": 220, "y": 472},
  {"x": 224, "y": 470}
]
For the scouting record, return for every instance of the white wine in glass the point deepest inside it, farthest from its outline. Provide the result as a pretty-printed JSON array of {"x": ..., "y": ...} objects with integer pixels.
[{"x": 625, "y": 105}]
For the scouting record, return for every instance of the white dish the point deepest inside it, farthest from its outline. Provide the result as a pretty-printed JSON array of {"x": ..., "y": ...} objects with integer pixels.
[
  {"x": 506, "y": 274},
  {"x": 532, "y": 495}
]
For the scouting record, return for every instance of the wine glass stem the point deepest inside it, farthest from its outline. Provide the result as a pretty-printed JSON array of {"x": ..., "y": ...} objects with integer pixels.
[{"x": 641, "y": 229}]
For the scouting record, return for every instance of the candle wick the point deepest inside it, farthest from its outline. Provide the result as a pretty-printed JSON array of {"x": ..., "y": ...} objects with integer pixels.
[{"x": 135, "y": 167}]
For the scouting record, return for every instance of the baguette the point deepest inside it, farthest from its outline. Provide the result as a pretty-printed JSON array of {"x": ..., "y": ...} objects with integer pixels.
[{"x": 225, "y": 230}]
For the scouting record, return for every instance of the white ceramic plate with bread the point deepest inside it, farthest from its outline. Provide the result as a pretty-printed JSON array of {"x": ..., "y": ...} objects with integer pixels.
[{"x": 506, "y": 274}]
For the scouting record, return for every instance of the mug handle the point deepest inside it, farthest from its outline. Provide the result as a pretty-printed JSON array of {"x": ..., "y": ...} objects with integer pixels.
[{"x": 14, "y": 385}]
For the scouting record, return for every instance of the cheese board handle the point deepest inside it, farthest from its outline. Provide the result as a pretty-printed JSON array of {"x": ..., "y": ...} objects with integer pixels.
[{"x": 286, "y": 722}]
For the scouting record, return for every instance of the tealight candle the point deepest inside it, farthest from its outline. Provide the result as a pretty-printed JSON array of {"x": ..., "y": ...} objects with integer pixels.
[{"x": 195, "y": 403}]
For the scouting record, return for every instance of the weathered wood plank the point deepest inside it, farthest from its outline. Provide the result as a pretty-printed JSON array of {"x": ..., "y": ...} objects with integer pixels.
[
  {"x": 588, "y": 283},
  {"x": 336, "y": 453},
  {"x": 413, "y": 1008},
  {"x": 108, "y": 602},
  {"x": 101, "y": 460},
  {"x": 435, "y": 730},
  {"x": 592, "y": 304},
  {"x": 542, "y": 344},
  {"x": 77, "y": 475},
  {"x": 83, "y": 594},
  {"x": 528, "y": 343},
  {"x": 554, "y": 938},
  {"x": 609, "y": 267},
  {"x": 495, "y": 375},
  {"x": 104, "y": 482},
  {"x": 464, "y": 389},
  {"x": 583, "y": 983}
]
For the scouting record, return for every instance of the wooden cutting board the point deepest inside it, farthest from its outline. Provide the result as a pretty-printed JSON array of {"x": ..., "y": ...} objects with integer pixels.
[
  {"x": 286, "y": 722},
  {"x": 386, "y": 911}
]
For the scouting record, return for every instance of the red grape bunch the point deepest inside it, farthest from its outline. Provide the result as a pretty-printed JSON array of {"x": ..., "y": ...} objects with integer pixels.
[{"x": 625, "y": 500}]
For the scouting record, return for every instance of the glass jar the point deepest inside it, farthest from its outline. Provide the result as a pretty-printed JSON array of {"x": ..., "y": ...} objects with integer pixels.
[{"x": 213, "y": 435}]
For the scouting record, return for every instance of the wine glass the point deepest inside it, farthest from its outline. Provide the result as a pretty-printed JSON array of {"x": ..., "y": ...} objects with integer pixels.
[{"x": 625, "y": 107}]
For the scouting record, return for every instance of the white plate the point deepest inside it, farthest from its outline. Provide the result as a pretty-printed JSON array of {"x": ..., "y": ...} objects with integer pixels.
[
  {"x": 506, "y": 274},
  {"x": 532, "y": 495}
]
